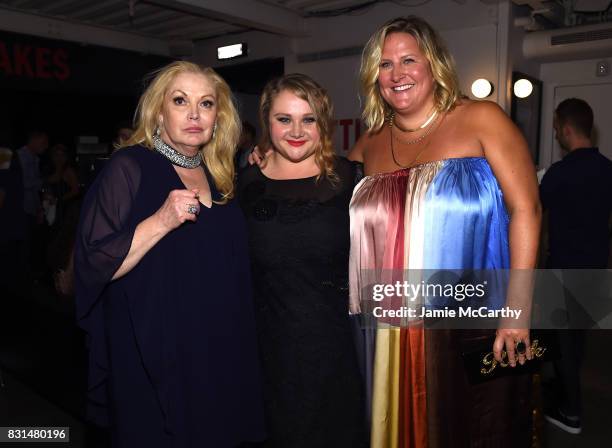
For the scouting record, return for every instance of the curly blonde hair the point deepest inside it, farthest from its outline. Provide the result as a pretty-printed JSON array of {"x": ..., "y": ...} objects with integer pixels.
[
  {"x": 316, "y": 96},
  {"x": 218, "y": 153},
  {"x": 446, "y": 92}
]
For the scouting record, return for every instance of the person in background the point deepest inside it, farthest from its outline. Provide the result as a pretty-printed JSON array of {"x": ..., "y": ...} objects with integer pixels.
[
  {"x": 576, "y": 193},
  {"x": 13, "y": 223},
  {"x": 123, "y": 132},
  {"x": 296, "y": 207},
  {"x": 162, "y": 276},
  {"x": 61, "y": 185},
  {"x": 449, "y": 184},
  {"x": 28, "y": 157},
  {"x": 61, "y": 201}
]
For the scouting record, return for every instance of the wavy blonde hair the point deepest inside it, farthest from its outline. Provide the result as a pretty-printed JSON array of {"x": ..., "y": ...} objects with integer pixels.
[
  {"x": 446, "y": 91},
  {"x": 218, "y": 153},
  {"x": 307, "y": 89}
]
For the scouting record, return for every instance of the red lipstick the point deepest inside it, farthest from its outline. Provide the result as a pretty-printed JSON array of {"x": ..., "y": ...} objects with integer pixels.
[{"x": 296, "y": 143}]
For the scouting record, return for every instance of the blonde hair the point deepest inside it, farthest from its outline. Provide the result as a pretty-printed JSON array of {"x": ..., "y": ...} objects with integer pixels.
[
  {"x": 307, "y": 89},
  {"x": 446, "y": 91},
  {"x": 218, "y": 153}
]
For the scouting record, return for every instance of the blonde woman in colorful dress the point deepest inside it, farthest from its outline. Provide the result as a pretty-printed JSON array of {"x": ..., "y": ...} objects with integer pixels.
[{"x": 449, "y": 185}]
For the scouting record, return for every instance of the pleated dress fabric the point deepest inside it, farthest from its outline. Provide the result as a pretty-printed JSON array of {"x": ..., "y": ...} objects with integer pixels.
[{"x": 446, "y": 214}]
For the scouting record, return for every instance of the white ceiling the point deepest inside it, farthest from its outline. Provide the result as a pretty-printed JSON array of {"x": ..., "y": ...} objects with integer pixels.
[
  {"x": 156, "y": 25},
  {"x": 160, "y": 26},
  {"x": 307, "y": 7},
  {"x": 178, "y": 19},
  {"x": 145, "y": 18}
]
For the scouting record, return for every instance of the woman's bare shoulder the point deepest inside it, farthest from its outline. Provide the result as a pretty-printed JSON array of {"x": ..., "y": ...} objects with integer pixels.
[
  {"x": 484, "y": 110},
  {"x": 478, "y": 114}
]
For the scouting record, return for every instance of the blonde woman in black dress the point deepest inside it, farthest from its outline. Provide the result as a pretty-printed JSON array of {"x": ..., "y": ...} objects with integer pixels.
[{"x": 296, "y": 206}]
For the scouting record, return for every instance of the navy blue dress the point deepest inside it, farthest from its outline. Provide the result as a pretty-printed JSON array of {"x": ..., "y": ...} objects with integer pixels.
[{"x": 173, "y": 356}]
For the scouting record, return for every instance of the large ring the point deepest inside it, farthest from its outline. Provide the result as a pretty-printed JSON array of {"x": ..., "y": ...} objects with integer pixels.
[
  {"x": 192, "y": 209},
  {"x": 521, "y": 348}
]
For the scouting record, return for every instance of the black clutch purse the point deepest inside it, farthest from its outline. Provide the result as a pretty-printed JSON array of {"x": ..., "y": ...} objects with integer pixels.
[{"x": 480, "y": 364}]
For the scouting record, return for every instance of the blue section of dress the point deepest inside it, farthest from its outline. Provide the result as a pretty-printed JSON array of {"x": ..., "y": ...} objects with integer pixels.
[{"x": 466, "y": 228}]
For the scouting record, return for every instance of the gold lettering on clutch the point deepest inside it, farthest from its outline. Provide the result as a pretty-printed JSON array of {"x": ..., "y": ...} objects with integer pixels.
[{"x": 489, "y": 363}]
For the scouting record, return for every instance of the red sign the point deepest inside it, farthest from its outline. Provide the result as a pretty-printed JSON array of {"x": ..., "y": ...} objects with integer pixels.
[
  {"x": 34, "y": 62},
  {"x": 345, "y": 126}
]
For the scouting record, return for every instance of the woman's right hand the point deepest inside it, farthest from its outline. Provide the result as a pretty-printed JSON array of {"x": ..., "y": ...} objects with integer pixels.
[
  {"x": 176, "y": 209},
  {"x": 173, "y": 212}
]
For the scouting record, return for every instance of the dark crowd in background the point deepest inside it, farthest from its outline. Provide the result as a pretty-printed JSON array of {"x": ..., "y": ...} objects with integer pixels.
[{"x": 42, "y": 184}]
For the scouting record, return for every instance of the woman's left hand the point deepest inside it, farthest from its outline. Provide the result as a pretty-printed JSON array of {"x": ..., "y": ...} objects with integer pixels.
[
  {"x": 258, "y": 157},
  {"x": 510, "y": 338}
]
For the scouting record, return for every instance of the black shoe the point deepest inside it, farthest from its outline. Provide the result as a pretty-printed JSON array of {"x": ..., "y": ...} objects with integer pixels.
[{"x": 560, "y": 420}]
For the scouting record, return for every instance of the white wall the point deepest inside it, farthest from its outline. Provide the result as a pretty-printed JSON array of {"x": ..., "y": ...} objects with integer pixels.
[
  {"x": 574, "y": 78},
  {"x": 516, "y": 60},
  {"x": 475, "y": 33},
  {"x": 355, "y": 29}
]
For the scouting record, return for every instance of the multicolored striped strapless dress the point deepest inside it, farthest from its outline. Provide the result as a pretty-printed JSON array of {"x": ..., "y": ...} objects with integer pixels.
[{"x": 446, "y": 214}]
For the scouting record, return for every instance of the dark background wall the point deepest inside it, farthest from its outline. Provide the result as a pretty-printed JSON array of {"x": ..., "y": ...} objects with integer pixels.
[{"x": 67, "y": 89}]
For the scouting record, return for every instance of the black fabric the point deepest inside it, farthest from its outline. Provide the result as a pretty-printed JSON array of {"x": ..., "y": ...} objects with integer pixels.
[
  {"x": 172, "y": 343},
  {"x": 299, "y": 242},
  {"x": 577, "y": 192},
  {"x": 567, "y": 370}
]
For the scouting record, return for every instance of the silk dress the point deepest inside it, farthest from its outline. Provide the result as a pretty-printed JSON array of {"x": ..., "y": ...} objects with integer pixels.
[{"x": 446, "y": 214}]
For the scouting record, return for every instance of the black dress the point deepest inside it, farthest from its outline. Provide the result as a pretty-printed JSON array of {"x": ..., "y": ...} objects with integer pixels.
[
  {"x": 173, "y": 355},
  {"x": 299, "y": 242}
]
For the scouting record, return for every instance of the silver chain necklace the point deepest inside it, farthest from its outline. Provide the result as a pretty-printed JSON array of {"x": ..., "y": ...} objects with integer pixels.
[
  {"x": 410, "y": 142},
  {"x": 174, "y": 156}
]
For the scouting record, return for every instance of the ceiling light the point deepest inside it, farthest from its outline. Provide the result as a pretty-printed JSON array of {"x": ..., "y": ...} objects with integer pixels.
[
  {"x": 523, "y": 88},
  {"x": 231, "y": 51},
  {"x": 482, "y": 88}
]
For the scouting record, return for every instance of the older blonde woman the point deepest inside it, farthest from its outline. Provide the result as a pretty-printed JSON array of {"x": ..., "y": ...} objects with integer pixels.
[
  {"x": 449, "y": 185},
  {"x": 162, "y": 275}
]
